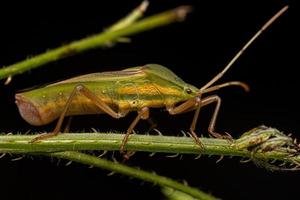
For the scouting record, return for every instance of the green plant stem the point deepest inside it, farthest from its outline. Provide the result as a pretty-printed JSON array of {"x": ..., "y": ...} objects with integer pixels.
[
  {"x": 136, "y": 14},
  {"x": 148, "y": 143},
  {"x": 130, "y": 171},
  {"x": 262, "y": 144},
  {"x": 98, "y": 40}
]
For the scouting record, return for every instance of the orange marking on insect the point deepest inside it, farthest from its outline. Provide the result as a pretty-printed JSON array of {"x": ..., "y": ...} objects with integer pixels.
[{"x": 149, "y": 89}]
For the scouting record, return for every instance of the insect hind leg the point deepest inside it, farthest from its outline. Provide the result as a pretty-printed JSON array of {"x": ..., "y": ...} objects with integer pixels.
[
  {"x": 142, "y": 114},
  {"x": 90, "y": 95}
]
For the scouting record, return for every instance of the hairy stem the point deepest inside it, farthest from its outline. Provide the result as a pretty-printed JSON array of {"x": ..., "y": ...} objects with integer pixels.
[
  {"x": 132, "y": 172},
  {"x": 113, "y": 34},
  {"x": 261, "y": 144}
]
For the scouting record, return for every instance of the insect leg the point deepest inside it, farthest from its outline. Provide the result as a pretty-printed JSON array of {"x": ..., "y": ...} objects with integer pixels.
[
  {"x": 142, "y": 114},
  {"x": 187, "y": 106},
  {"x": 211, "y": 127},
  {"x": 103, "y": 106},
  {"x": 90, "y": 95},
  {"x": 59, "y": 122}
]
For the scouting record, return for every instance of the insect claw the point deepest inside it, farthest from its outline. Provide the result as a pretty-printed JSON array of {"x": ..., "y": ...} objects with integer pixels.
[
  {"x": 197, "y": 141},
  {"x": 228, "y": 136},
  {"x": 127, "y": 155},
  {"x": 190, "y": 135}
]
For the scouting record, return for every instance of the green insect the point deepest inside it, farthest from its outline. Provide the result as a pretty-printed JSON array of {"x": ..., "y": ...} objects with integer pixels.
[{"x": 119, "y": 92}]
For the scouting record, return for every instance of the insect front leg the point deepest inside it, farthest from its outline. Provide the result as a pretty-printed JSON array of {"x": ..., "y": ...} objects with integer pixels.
[
  {"x": 185, "y": 107},
  {"x": 90, "y": 95},
  {"x": 197, "y": 103},
  {"x": 211, "y": 128},
  {"x": 142, "y": 114}
]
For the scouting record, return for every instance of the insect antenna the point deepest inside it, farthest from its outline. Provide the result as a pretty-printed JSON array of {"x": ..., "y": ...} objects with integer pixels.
[
  {"x": 232, "y": 61},
  {"x": 231, "y": 83}
]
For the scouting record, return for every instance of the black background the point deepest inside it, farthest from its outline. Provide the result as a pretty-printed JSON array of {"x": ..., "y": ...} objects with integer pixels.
[{"x": 196, "y": 50}]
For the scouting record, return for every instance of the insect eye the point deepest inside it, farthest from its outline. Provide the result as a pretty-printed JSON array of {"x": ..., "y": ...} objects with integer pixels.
[{"x": 189, "y": 91}]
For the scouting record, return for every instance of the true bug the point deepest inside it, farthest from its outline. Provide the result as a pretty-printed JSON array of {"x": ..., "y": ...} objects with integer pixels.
[{"x": 119, "y": 92}]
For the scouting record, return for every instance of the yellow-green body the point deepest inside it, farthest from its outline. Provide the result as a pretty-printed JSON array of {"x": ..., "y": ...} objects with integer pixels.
[{"x": 127, "y": 90}]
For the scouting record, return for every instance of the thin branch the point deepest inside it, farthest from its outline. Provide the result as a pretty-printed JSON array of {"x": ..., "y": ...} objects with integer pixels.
[
  {"x": 263, "y": 145},
  {"x": 132, "y": 172},
  {"x": 130, "y": 18},
  {"x": 102, "y": 39}
]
